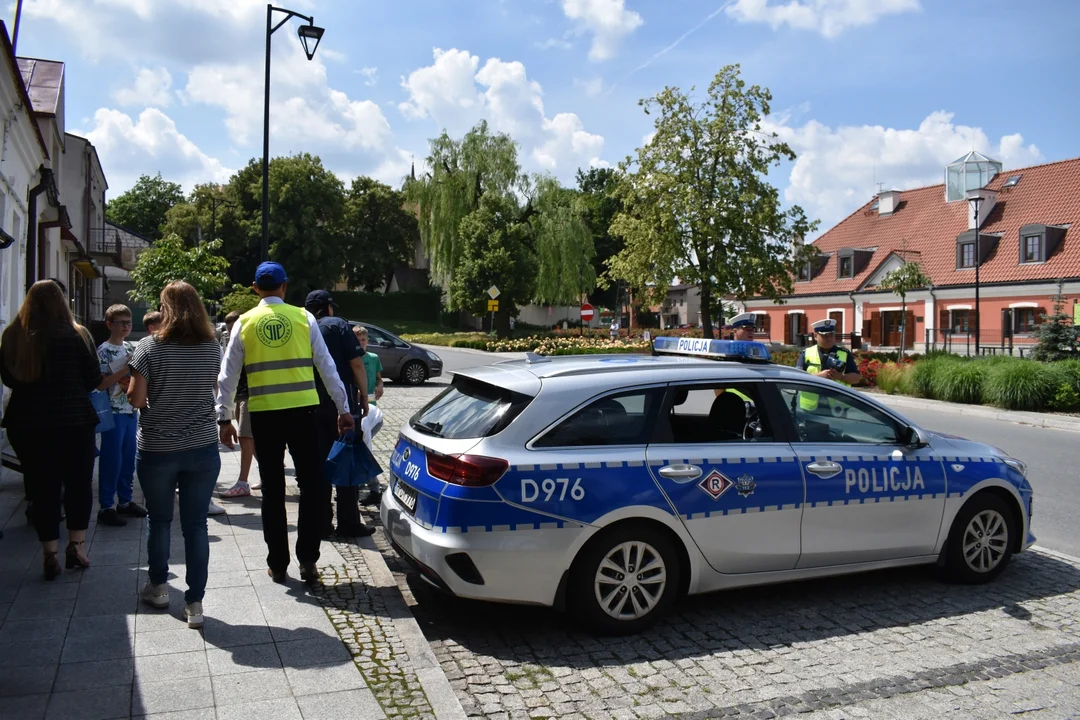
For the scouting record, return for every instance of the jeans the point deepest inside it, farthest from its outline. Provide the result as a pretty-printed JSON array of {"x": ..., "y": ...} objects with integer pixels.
[
  {"x": 274, "y": 430},
  {"x": 58, "y": 468},
  {"x": 116, "y": 466},
  {"x": 195, "y": 471}
]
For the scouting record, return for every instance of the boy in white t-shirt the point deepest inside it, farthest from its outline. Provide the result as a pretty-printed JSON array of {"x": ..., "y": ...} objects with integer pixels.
[{"x": 116, "y": 462}]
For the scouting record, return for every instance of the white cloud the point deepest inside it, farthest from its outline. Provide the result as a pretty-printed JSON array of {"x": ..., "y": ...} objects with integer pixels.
[
  {"x": 333, "y": 55},
  {"x": 834, "y": 172},
  {"x": 456, "y": 95},
  {"x": 828, "y": 17},
  {"x": 554, "y": 43},
  {"x": 607, "y": 20},
  {"x": 152, "y": 87},
  {"x": 130, "y": 147},
  {"x": 371, "y": 75},
  {"x": 592, "y": 87}
]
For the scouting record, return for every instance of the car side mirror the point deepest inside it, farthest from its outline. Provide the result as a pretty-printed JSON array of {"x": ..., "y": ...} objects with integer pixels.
[
  {"x": 916, "y": 438},
  {"x": 386, "y": 344}
]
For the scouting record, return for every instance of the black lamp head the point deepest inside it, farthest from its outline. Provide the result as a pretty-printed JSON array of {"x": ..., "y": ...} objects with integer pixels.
[{"x": 310, "y": 35}]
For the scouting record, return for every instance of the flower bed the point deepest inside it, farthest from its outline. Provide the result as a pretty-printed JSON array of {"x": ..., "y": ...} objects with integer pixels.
[{"x": 568, "y": 345}]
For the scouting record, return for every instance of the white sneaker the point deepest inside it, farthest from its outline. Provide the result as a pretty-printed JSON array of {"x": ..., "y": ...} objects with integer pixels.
[
  {"x": 255, "y": 485},
  {"x": 155, "y": 595},
  {"x": 193, "y": 613},
  {"x": 215, "y": 509}
]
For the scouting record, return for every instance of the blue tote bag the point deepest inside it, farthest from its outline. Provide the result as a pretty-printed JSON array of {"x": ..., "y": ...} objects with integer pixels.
[
  {"x": 103, "y": 407},
  {"x": 350, "y": 464}
]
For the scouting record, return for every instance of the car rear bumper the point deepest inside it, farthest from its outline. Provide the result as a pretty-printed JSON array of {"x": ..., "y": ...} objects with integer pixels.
[{"x": 517, "y": 566}]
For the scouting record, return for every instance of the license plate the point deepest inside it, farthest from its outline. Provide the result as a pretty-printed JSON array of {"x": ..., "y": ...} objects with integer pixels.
[{"x": 405, "y": 495}]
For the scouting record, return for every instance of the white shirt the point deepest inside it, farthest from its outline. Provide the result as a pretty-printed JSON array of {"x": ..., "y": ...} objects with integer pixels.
[{"x": 233, "y": 363}]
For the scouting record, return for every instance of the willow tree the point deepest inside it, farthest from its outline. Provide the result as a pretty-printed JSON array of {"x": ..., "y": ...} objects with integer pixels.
[
  {"x": 563, "y": 243},
  {"x": 697, "y": 204},
  {"x": 459, "y": 173}
]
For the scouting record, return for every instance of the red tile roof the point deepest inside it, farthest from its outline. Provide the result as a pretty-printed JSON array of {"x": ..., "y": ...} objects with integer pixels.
[{"x": 924, "y": 223}]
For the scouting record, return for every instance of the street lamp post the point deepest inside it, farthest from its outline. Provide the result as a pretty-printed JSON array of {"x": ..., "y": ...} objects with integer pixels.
[
  {"x": 215, "y": 203},
  {"x": 310, "y": 35},
  {"x": 975, "y": 200}
]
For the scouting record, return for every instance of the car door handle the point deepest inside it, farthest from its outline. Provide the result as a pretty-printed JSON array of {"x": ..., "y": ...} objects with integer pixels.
[
  {"x": 824, "y": 470},
  {"x": 681, "y": 473}
]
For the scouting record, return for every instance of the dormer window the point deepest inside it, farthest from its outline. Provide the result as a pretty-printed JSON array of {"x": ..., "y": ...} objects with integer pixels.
[
  {"x": 846, "y": 267},
  {"x": 805, "y": 271},
  {"x": 1032, "y": 248},
  {"x": 966, "y": 255}
]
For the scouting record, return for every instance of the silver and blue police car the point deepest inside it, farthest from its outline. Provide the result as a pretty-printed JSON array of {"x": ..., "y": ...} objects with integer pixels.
[{"x": 611, "y": 485}]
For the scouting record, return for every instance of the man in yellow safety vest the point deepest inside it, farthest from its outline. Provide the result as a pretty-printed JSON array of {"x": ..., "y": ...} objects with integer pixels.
[
  {"x": 826, "y": 359},
  {"x": 279, "y": 346}
]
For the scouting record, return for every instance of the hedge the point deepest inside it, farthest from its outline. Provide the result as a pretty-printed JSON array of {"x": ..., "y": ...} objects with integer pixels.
[{"x": 420, "y": 305}]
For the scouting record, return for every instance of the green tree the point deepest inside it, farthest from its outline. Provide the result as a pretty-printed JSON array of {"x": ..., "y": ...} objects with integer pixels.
[
  {"x": 597, "y": 187},
  {"x": 1057, "y": 338},
  {"x": 494, "y": 251},
  {"x": 380, "y": 234},
  {"x": 241, "y": 299},
  {"x": 208, "y": 213},
  {"x": 562, "y": 242},
  {"x": 307, "y": 204},
  {"x": 170, "y": 259},
  {"x": 901, "y": 281},
  {"x": 697, "y": 202},
  {"x": 461, "y": 172},
  {"x": 144, "y": 206}
]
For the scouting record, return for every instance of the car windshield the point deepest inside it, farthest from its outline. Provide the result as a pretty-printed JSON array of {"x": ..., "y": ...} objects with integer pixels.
[{"x": 469, "y": 409}]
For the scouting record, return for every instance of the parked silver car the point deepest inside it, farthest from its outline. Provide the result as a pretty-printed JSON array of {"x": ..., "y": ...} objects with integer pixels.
[{"x": 401, "y": 361}]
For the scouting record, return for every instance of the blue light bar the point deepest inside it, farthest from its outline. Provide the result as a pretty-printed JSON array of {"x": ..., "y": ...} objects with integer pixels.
[{"x": 715, "y": 349}]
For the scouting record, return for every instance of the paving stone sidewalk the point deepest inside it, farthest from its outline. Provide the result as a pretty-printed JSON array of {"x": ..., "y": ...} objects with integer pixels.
[
  {"x": 895, "y": 644},
  {"x": 84, "y": 647}
]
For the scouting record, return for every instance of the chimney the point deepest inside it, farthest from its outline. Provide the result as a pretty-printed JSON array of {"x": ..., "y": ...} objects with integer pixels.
[
  {"x": 888, "y": 200},
  {"x": 989, "y": 199}
]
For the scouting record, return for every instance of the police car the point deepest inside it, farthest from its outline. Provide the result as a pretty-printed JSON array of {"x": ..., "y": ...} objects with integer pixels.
[{"x": 611, "y": 485}]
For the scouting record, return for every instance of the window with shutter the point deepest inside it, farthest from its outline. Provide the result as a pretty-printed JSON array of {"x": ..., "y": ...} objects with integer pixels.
[
  {"x": 875, "y": 328},
  {"x": 838, "y": 318},
  {"x": 765, "y": 324},
  {"x": 1024, "y": 319},
  {"x": 788, "y": 339},
  {"x": 866, "y": 328},
  {"x": 943, "y": 322},
  {"x": 803, "y": 324}
]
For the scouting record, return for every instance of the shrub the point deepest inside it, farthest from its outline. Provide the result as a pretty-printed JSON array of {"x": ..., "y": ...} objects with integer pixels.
[
  {"x": 1071, "y": 369},
  {"x": 1022, "y": 384},
  {"x": 1066, "y": 398},
  {"x": 785, "y": 357},
  {"x": 890, "y": 377},
  {"x": 960, "y": 382},
  {"x": 923, "y": 373}
]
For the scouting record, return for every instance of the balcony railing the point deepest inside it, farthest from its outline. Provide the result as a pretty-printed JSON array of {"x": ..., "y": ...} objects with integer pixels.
[{"x": 104, "y": 243}]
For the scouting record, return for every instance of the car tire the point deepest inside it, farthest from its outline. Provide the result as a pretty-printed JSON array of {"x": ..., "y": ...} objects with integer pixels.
[
  {"x": 604, "y": 600},
  {"x": 981, "y": 540},
  {"x": 414, "y": 373}
]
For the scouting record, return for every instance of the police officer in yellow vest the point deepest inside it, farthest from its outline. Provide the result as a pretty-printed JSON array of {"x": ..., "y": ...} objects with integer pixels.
[
  {"x": 826, "y": 359},
  {"x": 280, "y": 347},
  {"x": 743, "y": 326}
]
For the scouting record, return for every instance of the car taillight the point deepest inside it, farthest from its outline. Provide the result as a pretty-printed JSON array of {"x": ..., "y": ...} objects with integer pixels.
[{"x": 467, "y": 470}]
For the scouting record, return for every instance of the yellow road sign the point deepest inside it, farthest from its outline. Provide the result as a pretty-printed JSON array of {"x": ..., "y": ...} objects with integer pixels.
[{"x": 493, "y": 306}]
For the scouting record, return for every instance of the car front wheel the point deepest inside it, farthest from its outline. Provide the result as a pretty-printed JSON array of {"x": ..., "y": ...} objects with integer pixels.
[
  {"x": 624, "y": 580},
  {"x": 414, "y": 373},
  {"x": 981, "y": 540}
]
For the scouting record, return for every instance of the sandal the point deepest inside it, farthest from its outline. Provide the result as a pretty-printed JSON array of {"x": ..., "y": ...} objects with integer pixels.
[
  {"x": 51, "y": 565},
  {"x": 238, "y": 490}
]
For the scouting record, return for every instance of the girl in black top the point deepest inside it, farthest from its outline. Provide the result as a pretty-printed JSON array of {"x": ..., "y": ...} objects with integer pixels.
[{"x": 50, "y": 364}]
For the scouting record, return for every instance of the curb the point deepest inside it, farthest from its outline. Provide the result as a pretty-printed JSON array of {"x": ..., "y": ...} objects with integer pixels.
[
  {"x": 440, "y": 694},
  {"x": 1055, "y": 553},
  {"x": 1056, "y": 422}
]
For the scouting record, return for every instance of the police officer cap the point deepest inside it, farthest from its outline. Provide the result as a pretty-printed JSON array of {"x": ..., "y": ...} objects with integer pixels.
[
  {"x": 744, "y": 320},
  {"x": 827, "y": 325},
  {"x": 270, "y": 274},
  {"x": 319, "y": 300}
]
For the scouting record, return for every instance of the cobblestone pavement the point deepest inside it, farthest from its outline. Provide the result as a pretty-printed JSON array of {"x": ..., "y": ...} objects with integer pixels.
[{"x": 882, "y": 645}]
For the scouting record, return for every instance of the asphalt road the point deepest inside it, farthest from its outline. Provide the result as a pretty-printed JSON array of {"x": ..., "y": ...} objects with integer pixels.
[{"x": 1053, "y": 457}]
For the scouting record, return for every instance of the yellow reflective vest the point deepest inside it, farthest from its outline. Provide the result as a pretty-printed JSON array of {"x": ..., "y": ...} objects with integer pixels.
[
  {"x": 277, "y": 357},
  {"x": 809, "y": 401}
]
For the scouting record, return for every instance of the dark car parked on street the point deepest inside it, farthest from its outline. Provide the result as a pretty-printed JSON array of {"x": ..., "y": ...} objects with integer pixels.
[{"x": 402, "y": 362}]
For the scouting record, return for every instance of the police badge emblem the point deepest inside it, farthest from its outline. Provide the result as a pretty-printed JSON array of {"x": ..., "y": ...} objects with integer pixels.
[{"x": 745, "y": 486}]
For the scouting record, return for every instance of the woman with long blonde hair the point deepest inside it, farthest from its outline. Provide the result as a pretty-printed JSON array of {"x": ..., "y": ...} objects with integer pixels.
[
  {"x": 173, "y": 382},
  {"x": 51, "y": 366}
]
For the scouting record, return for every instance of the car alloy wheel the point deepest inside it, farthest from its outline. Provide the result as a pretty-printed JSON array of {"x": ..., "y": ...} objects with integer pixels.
[
  {"x": 414, "y": 373},
  {"x": 630, "y": 581},
  {"x": 986, "y": 540}
]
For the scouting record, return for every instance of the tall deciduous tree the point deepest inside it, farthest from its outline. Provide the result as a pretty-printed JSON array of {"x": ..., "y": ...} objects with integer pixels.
[
  {"x": 494, "y": 251},
  {"x": 143, "y": 207},
  {"x": 597, "y": 187},
  {"x": 901, "y": 281},
  {"x": 380, "y": 234},
  {"x": 208, "y": 213},
  {"x": 697, "y": 204},
  {"x": 460, "y": 173},
  {"x": 562, "y": 242},
  {"x": 171, "y": 259}
]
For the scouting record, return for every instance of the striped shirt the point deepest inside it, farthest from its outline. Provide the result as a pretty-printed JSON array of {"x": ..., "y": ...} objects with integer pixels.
[{"x": 180, "y": 379}]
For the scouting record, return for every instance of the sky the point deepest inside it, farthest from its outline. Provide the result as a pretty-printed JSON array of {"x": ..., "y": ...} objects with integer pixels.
[{"x": 864, "y": 91}]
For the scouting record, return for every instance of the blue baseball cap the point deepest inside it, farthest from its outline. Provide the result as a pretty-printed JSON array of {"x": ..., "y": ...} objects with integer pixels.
[{"x": 270, "y": 274}]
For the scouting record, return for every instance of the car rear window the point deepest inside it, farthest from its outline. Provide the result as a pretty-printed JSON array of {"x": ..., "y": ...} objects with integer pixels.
[{"x": 469, "y": 409}]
